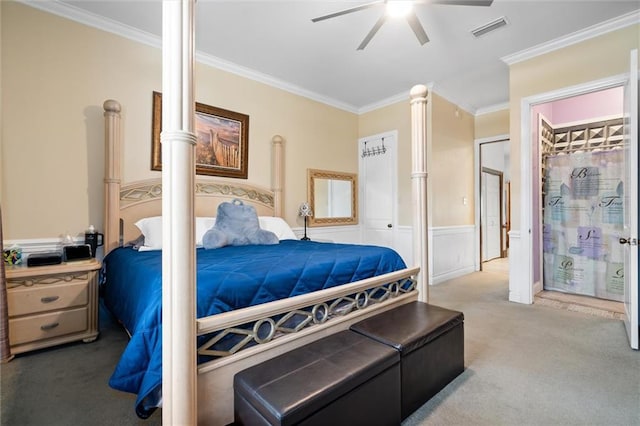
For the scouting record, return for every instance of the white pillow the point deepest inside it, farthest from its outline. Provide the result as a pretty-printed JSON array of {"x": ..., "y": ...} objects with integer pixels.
[
  {"x": 151, "y": 228},
  {"x": 278, "y": 226}
]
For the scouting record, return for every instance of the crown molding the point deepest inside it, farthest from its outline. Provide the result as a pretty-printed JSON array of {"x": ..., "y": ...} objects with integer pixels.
[
  {"x": 623, "y": 21},
  {"x": 404, "y": 96},
  {"x": 400, "y": 97},
  {"x": 221, "y": 64},
  {"x": 492, "y": 108},
  {"x": 83, "y": 17},
  {"x": 430, "y": 87}
]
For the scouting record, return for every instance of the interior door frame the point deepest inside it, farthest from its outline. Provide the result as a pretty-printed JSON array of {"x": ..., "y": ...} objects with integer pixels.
[
  {"x": 521, "y": 282},
  {"x": 630, "y": 115},
  {"x": 392, "y": 149},
  {"x": 477, "y": 172},
  {"x": 500, "y": 176}
]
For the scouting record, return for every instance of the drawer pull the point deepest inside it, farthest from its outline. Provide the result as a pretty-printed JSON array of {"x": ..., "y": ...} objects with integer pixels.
[
  {"x": 49, "y": 299},
  {"x": 51, "y": 326}
]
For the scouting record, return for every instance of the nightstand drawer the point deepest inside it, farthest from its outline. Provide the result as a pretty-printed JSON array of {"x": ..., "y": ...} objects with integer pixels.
[
  {"x": 28, "y": 300},
  {"x": 45, "y": 326}
]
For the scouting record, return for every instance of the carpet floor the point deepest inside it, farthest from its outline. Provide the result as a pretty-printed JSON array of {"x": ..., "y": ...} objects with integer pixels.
[{"x": 525, "y": 365}]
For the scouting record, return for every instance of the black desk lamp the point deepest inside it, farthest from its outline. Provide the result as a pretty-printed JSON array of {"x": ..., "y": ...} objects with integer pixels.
[{"x": 305, "y": 211}]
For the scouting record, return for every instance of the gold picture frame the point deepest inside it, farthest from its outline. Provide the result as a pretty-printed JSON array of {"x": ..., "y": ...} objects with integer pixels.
[{"x": 222, "y": 146}]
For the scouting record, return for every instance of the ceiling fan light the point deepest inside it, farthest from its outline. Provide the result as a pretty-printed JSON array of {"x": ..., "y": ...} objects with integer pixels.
[{"x": 399, "y": 8}]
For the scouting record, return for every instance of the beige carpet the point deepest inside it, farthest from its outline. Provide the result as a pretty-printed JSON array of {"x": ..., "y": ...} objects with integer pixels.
[{"x": 533, "y": 364}]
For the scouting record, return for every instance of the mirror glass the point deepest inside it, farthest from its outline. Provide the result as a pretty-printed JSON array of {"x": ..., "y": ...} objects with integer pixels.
[{"x": 333, "y": 198}]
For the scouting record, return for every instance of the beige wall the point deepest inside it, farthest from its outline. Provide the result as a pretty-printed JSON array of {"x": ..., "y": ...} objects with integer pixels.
[
  {"x": 492, "y": 124},
  {"x": 591, "y": 60},
  {"x": 451, "y": 164},
  {"x": 55, "y": 76}
]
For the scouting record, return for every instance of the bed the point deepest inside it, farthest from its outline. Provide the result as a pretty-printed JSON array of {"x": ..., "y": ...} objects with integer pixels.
[{"x": 236, "y": 331}]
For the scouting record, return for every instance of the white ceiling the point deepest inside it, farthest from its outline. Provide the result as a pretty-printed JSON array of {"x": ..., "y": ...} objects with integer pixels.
[{"x": 276, "y": 42}]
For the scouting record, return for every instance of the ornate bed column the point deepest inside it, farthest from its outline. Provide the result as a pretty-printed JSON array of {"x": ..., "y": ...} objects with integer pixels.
[
  {"x": 277, "y": 177},
  {"x": 179, "y": 371},
  {"x": 112, "y": 176},
  {"x": 419, "y": 187}
]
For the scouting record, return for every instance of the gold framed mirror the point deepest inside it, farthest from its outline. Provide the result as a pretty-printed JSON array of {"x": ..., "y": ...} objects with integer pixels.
[{"x": 333, "y": 197}]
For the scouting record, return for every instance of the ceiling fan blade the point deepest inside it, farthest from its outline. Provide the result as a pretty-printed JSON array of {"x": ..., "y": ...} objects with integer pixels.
[
  {"x": 417, "y": 28},
  {"x": 372, "y": 32},
  {"x": 350, "y": 10},
  {"x": 461, "y": 2}
]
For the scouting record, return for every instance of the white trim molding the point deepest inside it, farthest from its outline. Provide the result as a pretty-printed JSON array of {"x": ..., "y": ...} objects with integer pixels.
[
  {"x": 631, "y": 18},
  {"x": 403, "y": 96},
  {"x": 493, "y": 108}
]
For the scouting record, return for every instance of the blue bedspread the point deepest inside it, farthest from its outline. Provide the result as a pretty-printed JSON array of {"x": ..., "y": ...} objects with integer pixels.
[{"x": 227, "y": 278}]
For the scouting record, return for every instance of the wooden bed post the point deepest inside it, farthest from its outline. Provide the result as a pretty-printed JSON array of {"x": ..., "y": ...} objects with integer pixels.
[
  {"x": 179, "y": 357},
  {"x": 419, "y": 187},
  {"x": 277, "y": 175},
  {"x": 112, "y": 167}
]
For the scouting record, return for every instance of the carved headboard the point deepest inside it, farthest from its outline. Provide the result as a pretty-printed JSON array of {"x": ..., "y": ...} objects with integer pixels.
[{"x": 125, "y": 204}]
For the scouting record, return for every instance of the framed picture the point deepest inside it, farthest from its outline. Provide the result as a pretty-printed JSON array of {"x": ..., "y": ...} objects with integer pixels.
[{"x": 222, "y": 146}]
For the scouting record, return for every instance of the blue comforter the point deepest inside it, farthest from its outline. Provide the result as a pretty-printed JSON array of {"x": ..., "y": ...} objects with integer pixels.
[{"x": 227, "y": 278}]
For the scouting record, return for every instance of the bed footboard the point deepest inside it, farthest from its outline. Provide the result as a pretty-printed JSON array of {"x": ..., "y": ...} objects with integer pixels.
[
  {"x": 265, "y": 331},
  {"x": 269, "y": 322}
]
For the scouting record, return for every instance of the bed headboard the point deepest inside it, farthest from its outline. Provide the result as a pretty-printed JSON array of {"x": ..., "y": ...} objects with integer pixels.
[{"x": 125, "y": 204}]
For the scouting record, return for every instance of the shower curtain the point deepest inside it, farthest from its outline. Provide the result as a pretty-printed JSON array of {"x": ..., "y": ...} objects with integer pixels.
[{"x": 582, "y": 221}]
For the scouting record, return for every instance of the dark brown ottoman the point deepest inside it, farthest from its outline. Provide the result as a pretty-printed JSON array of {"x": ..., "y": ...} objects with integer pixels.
[
  {"x": 430, "y": 340},
  {"x": 342, "y": 379}
]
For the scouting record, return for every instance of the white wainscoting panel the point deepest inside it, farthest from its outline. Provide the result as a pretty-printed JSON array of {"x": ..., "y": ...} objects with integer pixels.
[
  {"x": 452, "y": 252},
  {"x": 519, "y": 270}
]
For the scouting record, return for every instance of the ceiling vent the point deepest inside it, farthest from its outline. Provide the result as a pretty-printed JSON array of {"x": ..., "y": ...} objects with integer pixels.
[{"x": 487, "y": 28}]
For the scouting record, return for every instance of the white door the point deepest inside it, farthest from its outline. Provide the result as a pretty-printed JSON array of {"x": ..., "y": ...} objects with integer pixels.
[
  {"x": 630, "y": 229},
  {"x": 491, "y": 220},
  {"x": 377, "y": 188}
]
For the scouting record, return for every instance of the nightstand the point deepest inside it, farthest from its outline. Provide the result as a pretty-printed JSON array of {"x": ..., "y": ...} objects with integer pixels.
[{"x": 50, "y": 305}]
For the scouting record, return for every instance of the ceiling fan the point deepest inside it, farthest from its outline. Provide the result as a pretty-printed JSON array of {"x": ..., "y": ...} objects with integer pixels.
[{"x": 400, "y": 8}]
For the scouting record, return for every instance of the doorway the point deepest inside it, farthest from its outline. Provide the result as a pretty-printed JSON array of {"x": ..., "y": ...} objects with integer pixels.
[
  {"x": 521, "y": 285},
  {"x": 491, "y": 214},
  {"x": 492, "y": 195}
]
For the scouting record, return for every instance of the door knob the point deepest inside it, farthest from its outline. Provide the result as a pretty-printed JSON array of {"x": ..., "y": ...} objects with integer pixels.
[
  {"x": 630, "y": 241},
  {"x": 389, "y": 225}
]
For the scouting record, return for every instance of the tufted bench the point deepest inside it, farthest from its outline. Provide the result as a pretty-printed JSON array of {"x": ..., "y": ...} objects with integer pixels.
[
  {"x": 342, "y": 379},
  {"x": 430, "y": 340}
]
